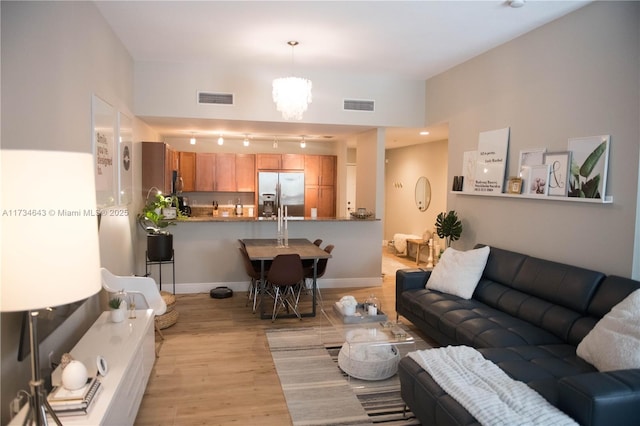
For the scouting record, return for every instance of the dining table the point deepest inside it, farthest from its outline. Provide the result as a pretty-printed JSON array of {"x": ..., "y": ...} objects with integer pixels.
[{"x": 265, "y": 249}]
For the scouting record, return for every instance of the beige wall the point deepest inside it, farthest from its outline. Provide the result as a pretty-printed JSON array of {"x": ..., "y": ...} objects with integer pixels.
[
  {"x": 577, "y": 76},
  {"x": 403, "y": 167}
]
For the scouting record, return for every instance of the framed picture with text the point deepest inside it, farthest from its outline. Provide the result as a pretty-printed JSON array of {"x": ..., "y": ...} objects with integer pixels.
[{"x": 559, "y": 163}]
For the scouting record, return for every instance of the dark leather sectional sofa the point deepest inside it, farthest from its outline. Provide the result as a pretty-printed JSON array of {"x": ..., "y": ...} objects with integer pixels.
[{"x": 527, "y": 315}]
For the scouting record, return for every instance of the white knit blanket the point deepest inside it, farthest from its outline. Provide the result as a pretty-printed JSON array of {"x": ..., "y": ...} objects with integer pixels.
[
  {"x": 400, "y": 242},
  {"x": 486, "y": 391}
]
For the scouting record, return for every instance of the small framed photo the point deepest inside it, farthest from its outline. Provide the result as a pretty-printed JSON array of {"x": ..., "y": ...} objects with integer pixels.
[
  {"x": 531, "y": 157},
  {"x": 538, "y": 182},
  {"x": 559, "y": 163},
  {"x": 514, "y": 185}
]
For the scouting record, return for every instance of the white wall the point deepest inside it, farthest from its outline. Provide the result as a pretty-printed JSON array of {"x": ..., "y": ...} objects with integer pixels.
[
  {"x": 576, "y": 76},
  {"x": 403, "y": 167},
  {"x": 170, "y": 89},
  {"x": 55, "y": 55}
]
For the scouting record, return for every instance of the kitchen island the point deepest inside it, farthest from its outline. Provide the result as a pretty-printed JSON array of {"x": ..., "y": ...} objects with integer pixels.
[{"x": 207, "y": 256}]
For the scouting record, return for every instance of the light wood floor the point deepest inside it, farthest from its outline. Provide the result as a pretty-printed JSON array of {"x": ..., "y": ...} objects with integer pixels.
[{"x": 215, "y": 367}]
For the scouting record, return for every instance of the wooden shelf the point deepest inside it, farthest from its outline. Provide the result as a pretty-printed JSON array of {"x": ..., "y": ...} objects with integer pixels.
[{"x": 605, "y": 200}]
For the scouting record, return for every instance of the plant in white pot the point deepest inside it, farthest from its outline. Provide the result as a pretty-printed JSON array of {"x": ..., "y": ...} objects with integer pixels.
[
  {"x": 155, "y": 217},
  {"x": 448, "y": 226},
  {"x": 117, "y": 306}
]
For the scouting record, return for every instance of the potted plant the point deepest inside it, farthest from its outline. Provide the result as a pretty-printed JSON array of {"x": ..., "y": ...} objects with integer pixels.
[
  {"x": 448, "y": 227},
  {"x": 117, "y": 312},
  {"x": 154, "y": 221}
]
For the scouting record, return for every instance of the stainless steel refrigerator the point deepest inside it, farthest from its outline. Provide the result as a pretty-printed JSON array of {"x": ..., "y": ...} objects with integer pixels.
[{"x": 288, "y": 188}]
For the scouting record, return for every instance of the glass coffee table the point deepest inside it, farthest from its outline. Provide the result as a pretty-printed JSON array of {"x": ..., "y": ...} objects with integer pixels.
[{"x": 371, "y": 346}]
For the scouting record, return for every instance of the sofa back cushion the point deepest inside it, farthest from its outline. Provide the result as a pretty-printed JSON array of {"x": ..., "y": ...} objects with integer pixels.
[{"x": 550, "y": 295}]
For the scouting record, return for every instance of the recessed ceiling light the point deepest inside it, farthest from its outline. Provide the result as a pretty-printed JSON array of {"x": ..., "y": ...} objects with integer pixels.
[{"x": 424, "y": 133}]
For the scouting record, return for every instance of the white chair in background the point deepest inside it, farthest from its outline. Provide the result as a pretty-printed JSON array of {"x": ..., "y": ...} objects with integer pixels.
[{"x": 143, "y": 289}]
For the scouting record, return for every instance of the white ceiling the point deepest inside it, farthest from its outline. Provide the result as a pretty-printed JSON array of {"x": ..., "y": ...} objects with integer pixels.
[{"x": 416, "y": 39}]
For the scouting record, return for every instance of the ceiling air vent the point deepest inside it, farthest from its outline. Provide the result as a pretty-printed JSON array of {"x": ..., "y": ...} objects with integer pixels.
[
  {"x": 211, "y": 98},
  {"x": 358, "y": 105}
]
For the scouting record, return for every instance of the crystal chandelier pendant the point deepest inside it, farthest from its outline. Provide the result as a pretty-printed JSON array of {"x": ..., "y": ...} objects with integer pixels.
[{"x": 292, "y": 96}]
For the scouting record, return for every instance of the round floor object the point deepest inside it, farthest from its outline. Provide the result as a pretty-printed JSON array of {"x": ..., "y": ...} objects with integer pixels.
[{"x": 221, "y": 293}]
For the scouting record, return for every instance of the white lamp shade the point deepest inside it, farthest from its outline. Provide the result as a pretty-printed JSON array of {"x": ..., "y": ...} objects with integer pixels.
[{"x": 49, "y": 231}]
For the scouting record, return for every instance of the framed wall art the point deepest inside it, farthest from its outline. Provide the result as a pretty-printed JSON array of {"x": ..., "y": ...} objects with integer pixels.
[
  {"x": 125, "y": 159},
  {"x": 538, "y": 180},
  {"x": 103, "y": 131},
  {"x": 559, "y": 163},
  {"x": 493, "y": 147},
  {"x": 589, "y": 164},
  {"x": 531, "y": 157}
]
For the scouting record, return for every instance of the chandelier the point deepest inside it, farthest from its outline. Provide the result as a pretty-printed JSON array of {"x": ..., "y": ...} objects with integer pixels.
[{"x": 292, "y": 95}]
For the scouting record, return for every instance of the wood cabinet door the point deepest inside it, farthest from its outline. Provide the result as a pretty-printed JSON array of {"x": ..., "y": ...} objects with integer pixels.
[
  {"x": 312, "y": 169},
  {"x": 153, "y": 166},
  {"x": 292, "y": 162},
  {"x": 311, "y": 193},
  {"x": 205, "y": 171},
  {"x": 326, "y": 201},
  {"x": 269, "y": 161},
  {"x": 188, "y": 170},
  {"x": 225, "y": 173},
  {"x": 327, "y": 169},
  {"x": 245, "y": 172},
  {"x": 171, "y": 164}
]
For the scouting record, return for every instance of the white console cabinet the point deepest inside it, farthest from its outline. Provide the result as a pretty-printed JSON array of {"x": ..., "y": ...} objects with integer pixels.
[{"x": 129, "y": 349}]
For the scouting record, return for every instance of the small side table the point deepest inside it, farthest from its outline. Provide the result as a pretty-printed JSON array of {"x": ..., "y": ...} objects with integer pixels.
[
  {"x": 419, "y": 244},
  {"x": 148, "y": 263}
]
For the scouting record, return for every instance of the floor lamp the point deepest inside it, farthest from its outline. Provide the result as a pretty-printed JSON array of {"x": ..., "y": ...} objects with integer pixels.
[{"x": 50, "y": 251}]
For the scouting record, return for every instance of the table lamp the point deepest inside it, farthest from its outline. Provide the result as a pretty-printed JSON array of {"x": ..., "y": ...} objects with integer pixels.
[{"x": 50, "y": 250}]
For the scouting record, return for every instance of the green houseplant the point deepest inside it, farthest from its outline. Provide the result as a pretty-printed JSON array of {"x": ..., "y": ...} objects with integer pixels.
[
  {"x": 448, "y": 226},
  {"x": 117, "y": 314},
  {"x": 152, "y": 220}
]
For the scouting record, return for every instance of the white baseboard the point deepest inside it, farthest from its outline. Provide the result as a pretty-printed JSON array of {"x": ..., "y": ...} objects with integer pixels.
[{"x": 193, "y": 288}]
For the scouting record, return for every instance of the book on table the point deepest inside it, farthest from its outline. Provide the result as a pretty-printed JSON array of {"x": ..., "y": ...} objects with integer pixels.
[{"x": 65, "y": 401}]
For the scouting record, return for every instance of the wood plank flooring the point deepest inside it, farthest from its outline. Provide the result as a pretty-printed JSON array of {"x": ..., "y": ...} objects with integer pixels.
[{"x": 215, "y": 367}]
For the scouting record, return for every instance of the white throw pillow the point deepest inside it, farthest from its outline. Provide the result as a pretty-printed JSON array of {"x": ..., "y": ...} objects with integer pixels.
[
  {"x": 614, "y": 343},
  {"x": 458, "y": 272}
]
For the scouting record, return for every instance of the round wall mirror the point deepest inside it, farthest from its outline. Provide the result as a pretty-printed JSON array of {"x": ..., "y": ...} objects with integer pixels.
[{"x": 423, "y": 193}]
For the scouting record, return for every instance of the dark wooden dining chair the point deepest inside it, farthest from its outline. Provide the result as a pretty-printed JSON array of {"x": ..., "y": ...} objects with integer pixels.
[
  {"x": 321, "y": 268},
  {"x": 284, "y": 277},
  {"x": 254, "y": 275}
]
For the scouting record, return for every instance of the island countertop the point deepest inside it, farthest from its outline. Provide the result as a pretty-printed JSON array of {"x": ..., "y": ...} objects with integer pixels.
[{"x": 268, "y": 220}]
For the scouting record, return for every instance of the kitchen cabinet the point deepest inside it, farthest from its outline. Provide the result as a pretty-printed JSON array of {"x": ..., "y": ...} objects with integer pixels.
[
  {"x": 187, "y": 170},
  {"x": 292, "y": 162},
  {"x": 321, "y": 197},
  {"x": 320, "y": 179},
  {"x": 245, "y": 172},
  {"x": 280, "y": 161},
  {"x": 205, "y": 171},
  {"x": 225, "y": 173},
  {"x": 320, "y": 169},
  {"x": 158, "y": 161}
]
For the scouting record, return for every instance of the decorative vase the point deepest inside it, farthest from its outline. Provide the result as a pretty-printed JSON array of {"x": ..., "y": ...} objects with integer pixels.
[
  {"x": 117, "y": 315},
  {"x": 159, "y": 247},
  {"x": 74, "y": 375}
]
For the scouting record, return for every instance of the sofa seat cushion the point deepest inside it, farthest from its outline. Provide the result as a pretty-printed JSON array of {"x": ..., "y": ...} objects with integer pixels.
[
  {"x": 540, "y": 367},
  {"x": 472, "y": 323}
]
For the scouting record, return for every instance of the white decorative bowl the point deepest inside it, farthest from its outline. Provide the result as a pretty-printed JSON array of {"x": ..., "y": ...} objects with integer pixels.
[{"x": 74, "y": 375}]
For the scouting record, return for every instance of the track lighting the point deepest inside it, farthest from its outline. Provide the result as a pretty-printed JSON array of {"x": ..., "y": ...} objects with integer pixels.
[
  {"x": 193, "y": 139},
  {"x": 275, "y": 143},
  {"x": 245, "y": 142},
  {"x": 303, "y": 144},
  {"x": 220, "y": 140}
]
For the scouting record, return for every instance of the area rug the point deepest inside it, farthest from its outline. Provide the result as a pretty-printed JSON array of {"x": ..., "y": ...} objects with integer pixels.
[
  {"x": 319, "y": 393},
  {"x": 391, "y": 265}
]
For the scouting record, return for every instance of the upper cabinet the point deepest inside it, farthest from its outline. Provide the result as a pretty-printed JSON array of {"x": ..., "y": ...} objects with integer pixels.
[
  {"x": 187, "y": 168},
  {"x": 205, "y": 171},
  {"x": 158, "y": 161},
  {"x": 280, "y": 161},
  {"x": 245, "y": 172},
  {"x": 225, "y": 172},
  {"x": 320, "y": 169}
]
